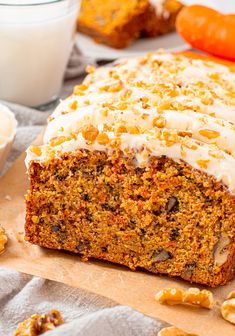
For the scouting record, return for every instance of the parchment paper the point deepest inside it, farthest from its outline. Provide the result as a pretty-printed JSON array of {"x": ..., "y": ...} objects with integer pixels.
[{"x": 135, "y": 289}]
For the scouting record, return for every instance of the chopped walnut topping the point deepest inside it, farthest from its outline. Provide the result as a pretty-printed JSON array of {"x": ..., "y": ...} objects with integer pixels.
[
  {"x": 173, "y": 93},
  {"x": 59, "y": 140},
  {"x": 228, "y": 310},
  {"x": 173, "y": 331},
  {"x": 144, "y": 116},
  {"x": 189, "y": 145},
  {"x": 115, "y": 87},
  {"x": 78, "y": 89},
  {"x": 159, "y": 122},
  {"x": 145, "y": 105},
  {"x": 207, "y": 101},
  {"x": 122, "y": 106},
  {"x": 37, "y": 325},
  {"x": 107, "y": 128},
  {"x": 209, "y": 134},
  {"x": 133, "y": 130},
  {"x": 50, "y": 118},
  {"x": 165, "y": 106},
  {"x": 90, "y": 69},
  {"x": 90, "y": 133},
  {"x": 3, "y": 239},
  {"x": 74, "y": 105},
  {"x": 192, "y": 296},
  {"x": 105, "y": 112},
  {"x": 216, "y": 154},
  {"x": 144, "y": 99},
  {"x": 36, "y": 150},
  {"x": 102, "y": 139},
  {"x": 109, "y": 106},
  {"x": 215, "y": 76},
  {"x": 126, "y": 94},
  {"x": 203, "y": 163},
  {"x": 185, "y": 133},
  {"x": 121, "y": 129}
]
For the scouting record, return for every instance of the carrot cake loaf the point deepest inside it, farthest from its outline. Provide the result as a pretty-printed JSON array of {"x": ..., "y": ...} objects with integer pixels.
[
  {"x": 138, "y": 168},
  {"x": 118, "y": 23}
]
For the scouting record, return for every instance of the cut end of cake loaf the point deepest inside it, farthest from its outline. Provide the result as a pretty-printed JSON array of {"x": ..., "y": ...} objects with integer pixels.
[{"x": 168, "y": 218}]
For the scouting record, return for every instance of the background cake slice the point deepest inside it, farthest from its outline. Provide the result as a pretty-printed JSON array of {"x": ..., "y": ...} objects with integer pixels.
[
  {"x": 118, "y": 23},
  {"x": 137, "y": 168}
]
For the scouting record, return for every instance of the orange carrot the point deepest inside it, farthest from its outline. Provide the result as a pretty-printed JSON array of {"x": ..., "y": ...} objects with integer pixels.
[{"x": 208, "y": 30}]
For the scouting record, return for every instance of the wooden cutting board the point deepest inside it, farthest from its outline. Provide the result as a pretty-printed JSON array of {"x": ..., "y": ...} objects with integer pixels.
[{"x": 135, "y": 289}]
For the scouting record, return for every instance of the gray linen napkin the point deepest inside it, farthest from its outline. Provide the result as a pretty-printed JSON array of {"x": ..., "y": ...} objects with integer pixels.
[{"x": 84, "y": 313}]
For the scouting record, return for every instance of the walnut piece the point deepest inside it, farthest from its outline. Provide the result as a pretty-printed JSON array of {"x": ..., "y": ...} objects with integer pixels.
[
  {"x": 203, "y": 298},
  {"x": 221, "y": 250},
  {"x": 228, "y": 308},
  {"x": 171, "y": 296},
  {"x": 192, "y": 296},
  {"x": 37, "y": 325},
  {"x": 3, "y": 239},
  {"x": 173, "y": 331}
]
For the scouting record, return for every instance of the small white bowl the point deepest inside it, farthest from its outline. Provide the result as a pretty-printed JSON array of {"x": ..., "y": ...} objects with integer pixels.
[{"x": 8, "y": 125}]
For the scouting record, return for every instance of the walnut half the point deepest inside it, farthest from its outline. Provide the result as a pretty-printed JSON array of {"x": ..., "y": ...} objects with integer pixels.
[
  {"x": 173, "y": 331},
  {"x": 3, "y": 239},
  {"x": 192, "y": 296},
  {"x": 37, "y": 325},
  {"x": 228, "y": 308},
  {"x": 221, "y": 250}
]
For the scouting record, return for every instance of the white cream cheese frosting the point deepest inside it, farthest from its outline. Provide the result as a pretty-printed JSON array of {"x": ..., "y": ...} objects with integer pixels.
[
  {"x": 160, "y": 104},
  {"x": 159, "y": 7}
]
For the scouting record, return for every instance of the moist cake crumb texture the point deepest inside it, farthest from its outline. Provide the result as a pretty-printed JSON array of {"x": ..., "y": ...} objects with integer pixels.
[{"x": 137, "y": 168}]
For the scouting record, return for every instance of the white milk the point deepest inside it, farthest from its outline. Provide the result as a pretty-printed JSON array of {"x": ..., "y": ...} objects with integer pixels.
[{"x": 35, "y": 44}]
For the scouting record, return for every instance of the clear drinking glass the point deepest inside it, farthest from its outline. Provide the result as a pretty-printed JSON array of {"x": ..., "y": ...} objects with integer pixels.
[{"x": 36, "y": 39}]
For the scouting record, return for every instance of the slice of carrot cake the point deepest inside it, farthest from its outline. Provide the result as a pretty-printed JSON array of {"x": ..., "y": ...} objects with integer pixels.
[
  {"x": 115, "y": 23},
  {"x": 118, "y": 23},
  {"x": 138, "y": 168}
]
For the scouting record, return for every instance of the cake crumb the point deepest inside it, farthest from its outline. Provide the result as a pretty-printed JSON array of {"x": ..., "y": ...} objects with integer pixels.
[
  {"x": 173, "y": 331},
  {"x": 3, "y": 239},
  {"x": 39, "y": 324},
  {"x": 19, "y": 236},
  {"x": 8, "y": 198},
  {"x": 192, "y": 296}
]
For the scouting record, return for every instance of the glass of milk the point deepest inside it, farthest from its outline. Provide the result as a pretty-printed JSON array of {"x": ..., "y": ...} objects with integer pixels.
[{"x": 36, "y": 39}]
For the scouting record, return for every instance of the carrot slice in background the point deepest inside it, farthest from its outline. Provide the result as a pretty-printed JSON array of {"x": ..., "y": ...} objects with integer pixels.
[{"x": 208, "y": 30}]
